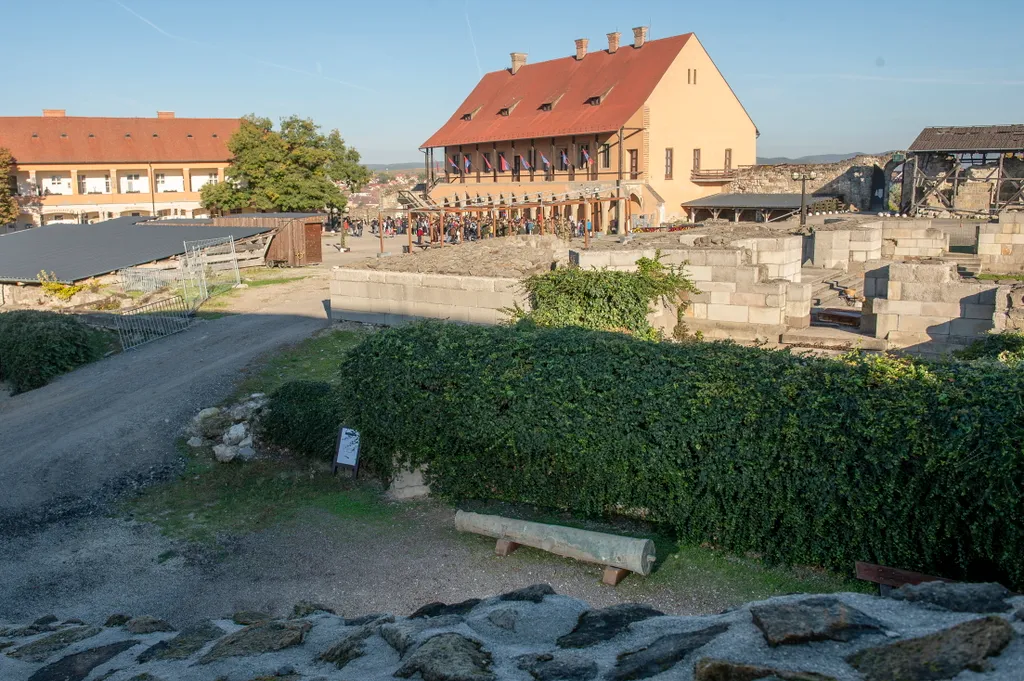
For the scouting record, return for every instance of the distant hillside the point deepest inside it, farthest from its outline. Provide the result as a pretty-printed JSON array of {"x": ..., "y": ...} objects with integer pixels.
[
  {"x": 395, "y": 166},
  {"x": 819, "y": 158}
]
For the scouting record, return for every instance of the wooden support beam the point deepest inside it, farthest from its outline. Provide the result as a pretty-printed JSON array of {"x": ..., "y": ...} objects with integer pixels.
[
  {"x": 504, "y": 547},
  {"x": 613, "y": 575}
]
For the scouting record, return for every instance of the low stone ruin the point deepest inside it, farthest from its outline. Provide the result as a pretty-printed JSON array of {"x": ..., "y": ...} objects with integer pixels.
[
  {"x": 230, "y": 431},
  {"x": 921, "y": 633}
]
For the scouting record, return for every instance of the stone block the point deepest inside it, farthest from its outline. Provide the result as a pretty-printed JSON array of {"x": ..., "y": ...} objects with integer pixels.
[
  {"x": 703, "y": 297},
  {"x": 771, "y": 257},
  {"x": 623, "y": 258},
  {"x": 753, "y": 299},
  {"x": 477, "y": 284},
  {"x": 976, "y": 311},
  {"x": 479, "y": 315},
  {"x": 404, "y": 278},
  {"x": 933, "y": 326},
  {"x": 970, "y": 327},
  {"x": 341, "y": 274},
  {"x": 728, "y": 313},
  {"x": 503, "y": 284},
  {"x": 696, "y": 257},
  {"x": 718, "y": 286},
  {"x": 746, "y": 276},
  {"x": 697, "y": 310},
  {"x": 376, "y": 276},
  {"x": 699, "y": 272},
  {"x": 858, "y": 256},
  {"x": 765, "y": 315},
  {"x": 951, "y": 310},
  {"x": 885, "y": 323},
  {"x": 774, "y": 300},
  {"x": 797, "y": 309},
  {"x": 725, "y": 258},
  {"x": 722, "y": 297}
]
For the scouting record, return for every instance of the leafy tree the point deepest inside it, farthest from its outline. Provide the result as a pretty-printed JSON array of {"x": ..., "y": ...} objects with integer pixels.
[
  {"x": 8, "y": 206},
  {"x": 384, "y": 177},
  {"x": 294, "y": 168}
]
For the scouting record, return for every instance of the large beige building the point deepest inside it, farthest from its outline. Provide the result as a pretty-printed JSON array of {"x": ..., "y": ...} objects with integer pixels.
[
  {"x": 654, "y": 122},
  {"x": 84, "y": 169}
]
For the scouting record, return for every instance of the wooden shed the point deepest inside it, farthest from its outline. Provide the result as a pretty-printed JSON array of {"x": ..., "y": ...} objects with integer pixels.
[{"x": 296, "y": 237}]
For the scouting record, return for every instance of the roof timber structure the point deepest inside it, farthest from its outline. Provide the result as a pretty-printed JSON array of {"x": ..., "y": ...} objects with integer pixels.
[{"x": 965, "y": 170}]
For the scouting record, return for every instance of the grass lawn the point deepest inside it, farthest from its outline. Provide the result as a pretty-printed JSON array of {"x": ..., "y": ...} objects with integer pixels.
[
  {"x": 314, "y": 359},
  {"x": 990, "y": 276},
  {"x": 212, "y": 499}
]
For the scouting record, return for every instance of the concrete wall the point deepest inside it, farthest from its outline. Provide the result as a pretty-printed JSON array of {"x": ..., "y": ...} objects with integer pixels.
[
  {"x": 915, "y": 304},
  {"x": 749, "y": 291},
  {"x": 392, "y": 298},
  {"x": 1001, "y": 246}
]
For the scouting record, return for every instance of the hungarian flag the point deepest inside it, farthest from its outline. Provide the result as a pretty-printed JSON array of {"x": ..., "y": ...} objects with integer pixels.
[
  {"x": 503, "y": 164},
  {"x": 545, "y": 160},
  {"x": 565, "y": 159},
  {"x": 488, "y": 164},
  {"x": 466, "y": 163},
  {"x": 525, "y": 164},
  {"x": 586, "y": 157}
]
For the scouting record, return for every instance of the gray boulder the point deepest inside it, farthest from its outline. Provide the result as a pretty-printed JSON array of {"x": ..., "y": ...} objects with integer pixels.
[
  {"x": 986, "y": 597},
  {"x": 449, "y": 657},
  {"x": 258, "y": 639},
  {"x": 812, "y": 619},
  {"x": 596, "y": 626},
  {"x": 225, "y": 453}
]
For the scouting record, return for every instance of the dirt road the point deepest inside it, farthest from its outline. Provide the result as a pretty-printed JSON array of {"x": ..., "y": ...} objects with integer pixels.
[{"x": 68, "y": 446}]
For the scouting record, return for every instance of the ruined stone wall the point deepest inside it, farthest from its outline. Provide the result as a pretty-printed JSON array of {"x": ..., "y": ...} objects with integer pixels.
[
  {"x": 927, "y": 306},
  {"x": 918, "y": 633},
  {"x": 391, "y": 298},
  {"x": 1001, "y": 246},
  {"x": 750, "y": 289},
  {"x": 912, "y": 239},
  {"x": 851, "y": 179}
]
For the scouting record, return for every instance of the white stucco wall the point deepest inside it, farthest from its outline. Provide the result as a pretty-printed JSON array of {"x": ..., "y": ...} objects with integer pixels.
[
  {"x": 200, "y": 177},
  {"x": 140, "y": 185}
]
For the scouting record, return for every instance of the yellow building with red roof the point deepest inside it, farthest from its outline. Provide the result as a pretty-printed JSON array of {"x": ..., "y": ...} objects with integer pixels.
[
  {"x": 653, "y": 123},
  {"x": 85, "y": 169}
]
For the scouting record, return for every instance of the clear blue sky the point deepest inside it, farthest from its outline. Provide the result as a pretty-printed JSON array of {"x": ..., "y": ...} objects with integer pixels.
[{"x": 817, "y": 77}]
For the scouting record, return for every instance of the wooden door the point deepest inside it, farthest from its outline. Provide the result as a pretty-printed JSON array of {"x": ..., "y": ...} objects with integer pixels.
[
  {"x": 312, "y": 253},
  {"x": 634, "y": 167}
]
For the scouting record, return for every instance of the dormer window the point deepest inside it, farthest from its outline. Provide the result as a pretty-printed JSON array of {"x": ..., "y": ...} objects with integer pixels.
[
  {"x": 508, "y": 109},
  {"x": 550, "y": 104},
  {"x": 64, "y": 135},
  {"x": 594, "y": 101},
  {"x": 214, "y": 134},
  {"x": 505, "y": 111},
  {"x": 189, "y": 135},
  {"x": 155, "y": 135},
  {"x": 546, "y": 106},
  {"x": 469, "y": 115},
  {"x": 35, "y": 134},
  {"x": 127, "y": 134},
  {"x": 91, "y": 135}
]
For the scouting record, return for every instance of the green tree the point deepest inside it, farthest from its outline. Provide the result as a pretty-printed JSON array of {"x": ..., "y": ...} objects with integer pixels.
[
  {"x": 8, "y": 206},
  {"x": 294, "y": 168}
]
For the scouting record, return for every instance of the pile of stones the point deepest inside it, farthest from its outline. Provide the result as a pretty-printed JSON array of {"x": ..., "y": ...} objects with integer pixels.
[
  {"x": 920, "y": 633},
  {"x": 230, "y": 430}
]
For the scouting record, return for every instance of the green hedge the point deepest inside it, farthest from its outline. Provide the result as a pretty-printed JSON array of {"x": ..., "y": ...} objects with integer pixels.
[
  {"x": 37, "y": 346},
  {"x": 803, "y": 460},
  {"x": 303, "y": 417}
]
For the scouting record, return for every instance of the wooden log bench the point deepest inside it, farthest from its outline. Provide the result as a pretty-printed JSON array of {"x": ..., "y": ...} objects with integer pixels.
[
  {"x": 888, "y": 578},
  {"x": 619, "y": 555}
]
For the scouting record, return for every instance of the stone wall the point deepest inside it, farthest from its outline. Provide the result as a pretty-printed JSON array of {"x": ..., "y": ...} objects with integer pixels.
[
  {"x": 927, "y": 306},
  {"x": 391, "y": 298},
  {"x": 749, "y": 289},
  {"x": 912, "y": 239},
  {"x": 919, "y": 633},
  {"x": 890, "y": 239},
  {"x": 850, "y": 179},
  {"x": 1001, "y": 246}
]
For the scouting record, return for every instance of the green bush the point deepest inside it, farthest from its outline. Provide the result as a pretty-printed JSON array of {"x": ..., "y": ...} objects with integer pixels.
[
  {"x": 37, "y": 346},
  {"x": 603, "y": 300},
  {"x": 803, "y": 460},
  {"x": 303, "y": 417},
  {"x": 1006, "y": 347}
]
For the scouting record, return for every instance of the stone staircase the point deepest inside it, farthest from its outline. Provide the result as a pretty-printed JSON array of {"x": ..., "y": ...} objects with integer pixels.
[
  {"x": 826, "y": 285},
  {"x": 967, "y": 264}
]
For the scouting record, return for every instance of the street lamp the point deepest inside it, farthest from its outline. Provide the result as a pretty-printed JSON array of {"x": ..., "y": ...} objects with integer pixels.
[
  {"x": 803, "y": 177},
  {"x": 344, "y": 220}
]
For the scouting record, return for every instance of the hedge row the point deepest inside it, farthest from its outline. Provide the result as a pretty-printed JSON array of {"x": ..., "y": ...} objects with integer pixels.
[
  {"x": 803, "y": 460},
  {"x": 37, "y": 346},
  {"x": 302, "y": 417}
]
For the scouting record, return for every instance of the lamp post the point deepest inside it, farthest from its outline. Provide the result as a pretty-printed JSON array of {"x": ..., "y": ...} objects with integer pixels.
[
  {"x": 803, "y": 177},
  {"x": 344, "y": 221}
]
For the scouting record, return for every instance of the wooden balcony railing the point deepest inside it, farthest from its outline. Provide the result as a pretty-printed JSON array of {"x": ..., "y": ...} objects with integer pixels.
[{"x": 712, "y": 175}]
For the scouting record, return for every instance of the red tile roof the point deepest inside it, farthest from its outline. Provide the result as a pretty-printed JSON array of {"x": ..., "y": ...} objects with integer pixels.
[
  {"x": 78, "y": 139},
  {"x": 628, "y": 76}
]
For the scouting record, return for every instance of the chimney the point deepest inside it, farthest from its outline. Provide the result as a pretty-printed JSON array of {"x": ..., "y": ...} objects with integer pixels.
[
  {"x": 639, "y": 36},
  {"x": 54, "y": 113},
  {"x": 613, "y": 42},
  {"x": 165, "y": 114},
  {"x": 518, "y": 61},
  {"x": 581, "y": 48}
]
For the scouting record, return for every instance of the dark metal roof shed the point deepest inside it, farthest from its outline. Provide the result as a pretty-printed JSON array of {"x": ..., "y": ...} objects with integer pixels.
[
  {"x": 75, "y": 252},
  {"x": 971, "y": 138}
]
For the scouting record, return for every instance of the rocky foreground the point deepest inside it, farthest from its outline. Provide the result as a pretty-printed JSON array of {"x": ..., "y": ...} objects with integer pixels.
[{"x": 928, "y": 632}]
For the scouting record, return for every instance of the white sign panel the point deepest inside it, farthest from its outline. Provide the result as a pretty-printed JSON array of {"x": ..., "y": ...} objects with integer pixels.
[{"x": 348, "y": 448}]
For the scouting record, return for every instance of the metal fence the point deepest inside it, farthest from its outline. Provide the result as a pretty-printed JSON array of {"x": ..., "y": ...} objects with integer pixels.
[
  {"x": 148, "y": 280},
  {"x": 208, "y": 267},
  {"x": 140, "y": 325}
]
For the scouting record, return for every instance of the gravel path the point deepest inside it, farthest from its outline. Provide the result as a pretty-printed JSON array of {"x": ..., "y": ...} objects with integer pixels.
[{"x": 67, "y": 446}]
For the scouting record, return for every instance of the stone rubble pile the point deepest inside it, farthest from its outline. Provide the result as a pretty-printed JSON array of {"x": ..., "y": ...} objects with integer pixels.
[
  {"x": 229, "y": 430},
  {"x": 925, "y": 633}
]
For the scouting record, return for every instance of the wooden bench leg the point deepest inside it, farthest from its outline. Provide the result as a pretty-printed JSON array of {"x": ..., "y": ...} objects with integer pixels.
[
  {"x": 613, "y": 575},
  {"x": 504, "y": 547}
]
